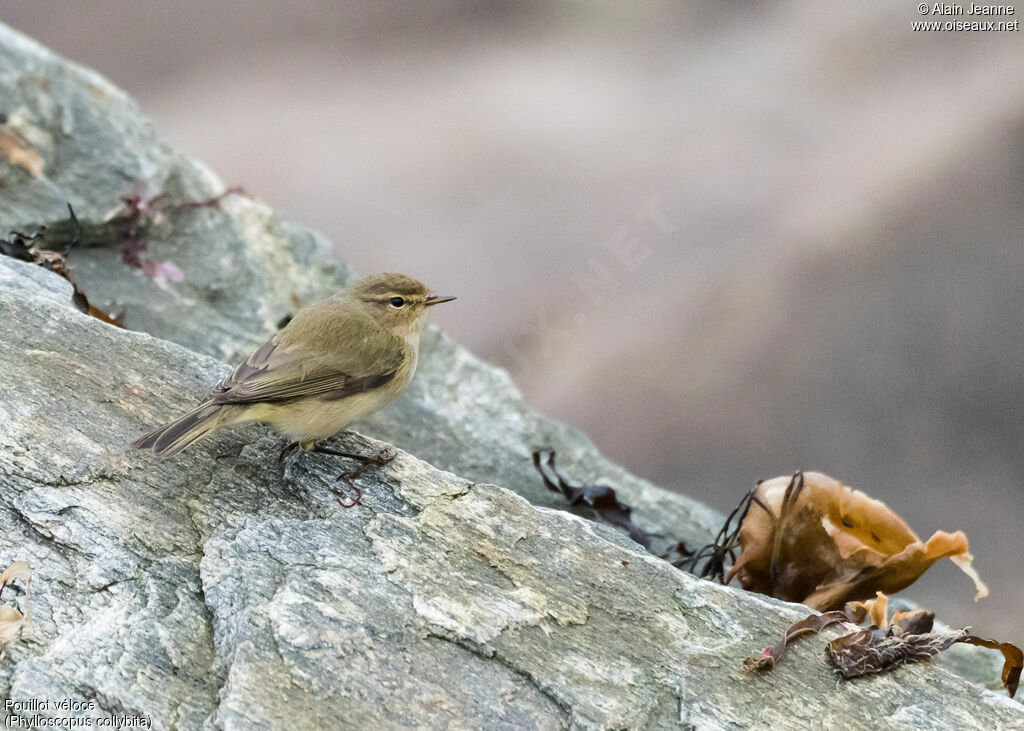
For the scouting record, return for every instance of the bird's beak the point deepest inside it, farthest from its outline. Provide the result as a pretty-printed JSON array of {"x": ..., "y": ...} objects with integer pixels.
[{"x": 435, "y": 300}]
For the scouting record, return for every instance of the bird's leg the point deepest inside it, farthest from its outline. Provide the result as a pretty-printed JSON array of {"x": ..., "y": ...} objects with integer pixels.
[
  {"x": 380, "y": 459},
  {"x": 288, "y": 456},
  {"x": 288, "y": 449}
]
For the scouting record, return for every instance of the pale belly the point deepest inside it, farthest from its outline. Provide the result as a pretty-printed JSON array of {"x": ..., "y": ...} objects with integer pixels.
[{"x": 314, "y": 419}]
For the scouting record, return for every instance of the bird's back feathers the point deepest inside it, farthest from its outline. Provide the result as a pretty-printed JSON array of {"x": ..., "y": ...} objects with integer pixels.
[{"x": 328, "y": 352}]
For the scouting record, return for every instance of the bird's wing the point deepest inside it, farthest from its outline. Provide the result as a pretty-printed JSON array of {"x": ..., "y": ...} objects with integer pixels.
[{"x": 282, "y": 369}]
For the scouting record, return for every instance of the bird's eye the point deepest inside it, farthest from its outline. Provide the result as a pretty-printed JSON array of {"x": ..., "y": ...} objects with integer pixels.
[{"x": 397, "y": 302}]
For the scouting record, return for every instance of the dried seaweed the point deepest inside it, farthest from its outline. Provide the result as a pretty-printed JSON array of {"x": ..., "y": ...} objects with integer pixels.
[
  {"x": 877, "y": 610},
  {"x": 816, "y": 541},
  {"x": 915, "y": 622},
  {"x": 906, "y": 638},
  {"x": 602, "y": 499},
  {"x": 139, "y": 213},
  {"x": 19, "y": 247},
  {"x": 129, "y": 226},
  {"x": 721, "y": 553},
  {"x": 803, "y": 538},
  {"x": 135, "y": 218},
  {"x": 710, "y": 561},
  {"x": 874, "y": 650},
  {"x": 14, "y": 621},
  {"x": 1013, "y": 660},
  {"x": 812, "y": 624}
]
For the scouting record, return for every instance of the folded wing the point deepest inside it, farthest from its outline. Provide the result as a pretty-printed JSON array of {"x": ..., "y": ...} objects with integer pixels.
[{"x": 282, "y": 371}]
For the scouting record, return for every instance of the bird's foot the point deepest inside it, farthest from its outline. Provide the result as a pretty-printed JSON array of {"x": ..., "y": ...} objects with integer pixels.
[
  {"x": 381, "y": 459},
  {"x": 357, "y": 500}
]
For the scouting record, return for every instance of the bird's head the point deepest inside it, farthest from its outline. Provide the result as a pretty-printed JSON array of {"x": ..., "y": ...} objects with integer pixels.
[{"x": 395, "y": 301}]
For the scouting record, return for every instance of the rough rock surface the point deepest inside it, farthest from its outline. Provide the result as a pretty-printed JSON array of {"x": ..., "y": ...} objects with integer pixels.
[
  {"x": 245, "y": 269},
  {"x": 215, "y": 589}
]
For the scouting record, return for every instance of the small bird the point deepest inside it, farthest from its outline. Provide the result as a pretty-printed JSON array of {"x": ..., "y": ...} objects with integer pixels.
[{"x": 334, "y": 363}]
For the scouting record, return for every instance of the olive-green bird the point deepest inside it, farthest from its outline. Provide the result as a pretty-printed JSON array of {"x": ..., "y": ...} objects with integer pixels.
[{"x": 334, "y": 363}]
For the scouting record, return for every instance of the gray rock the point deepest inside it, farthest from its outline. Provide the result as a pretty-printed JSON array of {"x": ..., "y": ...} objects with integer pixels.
[
  {"x": 245, "y": 269},
  {"x": 217, "y": 590},
  {"x": 95, "y": 147},
  {"x": 214, "y": 589}
]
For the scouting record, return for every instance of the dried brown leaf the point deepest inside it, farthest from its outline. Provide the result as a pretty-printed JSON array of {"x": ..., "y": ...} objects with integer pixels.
[
  {"x": 20, "y": 154},
  {"x": 13, "y": 622},
  {"x": 876, "y": 650},
  {"x": 1013, "y": 660},
  {"x": 906, "y": 638},
  {"x": 811, "y": 539},
  {"x": 17, "y": 570},
  {"x": 812, "y": 624}
]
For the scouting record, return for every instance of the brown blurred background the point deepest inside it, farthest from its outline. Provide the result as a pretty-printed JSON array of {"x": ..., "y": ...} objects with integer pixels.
[{"x": 727, "y": 242}]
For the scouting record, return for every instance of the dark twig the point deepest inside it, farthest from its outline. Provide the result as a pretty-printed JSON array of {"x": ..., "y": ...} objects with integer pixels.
[
  {"x": 57, "y": 262},
  {"x": 78, "y": 232},
  {"x": 602, "y": 499},
  {"x": 715, "y": 554},
  {"x": 17, "y": 247},
  {"x": 709, "y": 562}
]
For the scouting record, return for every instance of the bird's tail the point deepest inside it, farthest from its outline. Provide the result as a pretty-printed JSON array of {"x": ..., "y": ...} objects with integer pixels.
[{"x": 193, "y": 426}]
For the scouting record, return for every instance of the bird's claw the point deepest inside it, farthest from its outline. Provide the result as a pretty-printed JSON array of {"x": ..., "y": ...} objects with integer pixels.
[
  {"x": 358, "y": 500},
  {"x": 381, "y": 459},
  {"x": 288, "y": 449}
]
